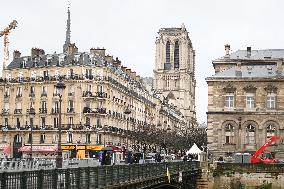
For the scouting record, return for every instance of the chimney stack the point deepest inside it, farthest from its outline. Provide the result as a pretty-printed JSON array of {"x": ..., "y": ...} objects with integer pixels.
[
  {"x": 16, "y": 54},
  {"x": 36, "y": 52},
  {"x": 227, "y": 49},
  {"x": 248, "y": 52}
]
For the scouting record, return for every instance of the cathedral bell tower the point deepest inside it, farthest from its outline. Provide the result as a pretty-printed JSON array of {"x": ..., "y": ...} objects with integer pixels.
[{"x": 174, "y": 73}]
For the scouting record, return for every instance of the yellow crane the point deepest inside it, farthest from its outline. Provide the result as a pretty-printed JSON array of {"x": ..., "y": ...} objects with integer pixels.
[{"x": 5, "y": 33}]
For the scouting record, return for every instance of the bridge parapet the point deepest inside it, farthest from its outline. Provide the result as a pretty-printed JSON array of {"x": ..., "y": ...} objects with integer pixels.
[{"x": 138, "y": 175}]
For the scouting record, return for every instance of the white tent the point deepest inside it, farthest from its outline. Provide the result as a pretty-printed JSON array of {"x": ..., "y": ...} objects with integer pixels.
[{"x": 194, "y": 150}]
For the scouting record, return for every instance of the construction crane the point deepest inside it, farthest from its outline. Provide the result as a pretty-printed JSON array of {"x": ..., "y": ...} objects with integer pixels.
[{"x": 5, "y": 33}]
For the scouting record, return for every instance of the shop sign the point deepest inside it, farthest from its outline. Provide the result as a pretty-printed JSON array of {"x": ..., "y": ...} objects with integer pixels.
[
  {"x": 80, "y": 147},
  {"x": 98, "y": 147},
  {"x": 69, "y": 147}
]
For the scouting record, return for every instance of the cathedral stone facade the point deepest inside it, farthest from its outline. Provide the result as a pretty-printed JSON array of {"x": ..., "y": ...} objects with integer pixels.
[
  {"x": 174, "y": 71},
  {"x": 246, "y": 102}
]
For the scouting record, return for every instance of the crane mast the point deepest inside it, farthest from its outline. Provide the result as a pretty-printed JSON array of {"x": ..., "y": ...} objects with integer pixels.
[{"x": 5, "y": 33}]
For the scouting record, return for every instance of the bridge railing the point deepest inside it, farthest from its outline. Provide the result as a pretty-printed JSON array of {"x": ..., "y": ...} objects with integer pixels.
[{"x": 91, "y": 177}]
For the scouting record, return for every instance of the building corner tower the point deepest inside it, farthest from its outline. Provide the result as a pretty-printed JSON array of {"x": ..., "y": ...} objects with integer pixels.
[{"x": 174, "y": 73}]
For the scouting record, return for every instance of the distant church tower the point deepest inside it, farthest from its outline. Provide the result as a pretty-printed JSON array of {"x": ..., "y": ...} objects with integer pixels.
[{"x": 174, "y": 73}]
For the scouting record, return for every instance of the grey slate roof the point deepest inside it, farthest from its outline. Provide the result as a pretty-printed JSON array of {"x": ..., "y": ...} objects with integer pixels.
[
  {"x": 250, "y": 71},
  {"x": 264, "y": 54},
  {"x": 83, "y": 58}
]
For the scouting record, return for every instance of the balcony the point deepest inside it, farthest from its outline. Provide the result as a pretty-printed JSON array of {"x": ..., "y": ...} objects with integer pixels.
[
  {"x": 19, "y": 95},
  {"x": 88, "y": 110},
  {"x": 88, "y": 76},
  {"x": 101, "y": 111},
  {"x": 42, "y": 110},
  {"x": 54, "y": 110},
  {"x": 32, "y": 95},
  {"x": 101, "y": 95},
  {"x": 6, "y": 95},
  {"x": 70, "y": 110},
  {"x": 71, "y": 94},
  {"x": 5, "y": 111},
  {"x": 88, "y": 94},
  {"x": 44, "y": 94},
  {"x": 30, "y": 111},
  {"x": 18, "y": 111}
]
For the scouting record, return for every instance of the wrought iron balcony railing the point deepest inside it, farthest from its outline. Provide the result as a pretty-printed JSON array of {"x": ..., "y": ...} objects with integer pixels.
[
  {"x": 43, "y": 110},
  {"x": 70, "y": 110},
  {"x": 18, "y": 111}
]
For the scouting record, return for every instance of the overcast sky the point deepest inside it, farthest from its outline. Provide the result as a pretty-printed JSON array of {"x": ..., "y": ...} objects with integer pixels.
[{"x": 128, "y": 28}]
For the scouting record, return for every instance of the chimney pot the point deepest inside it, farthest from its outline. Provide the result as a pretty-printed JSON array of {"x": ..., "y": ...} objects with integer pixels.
[
  {"x": 248, "y": 52},
  {"x": 227, "y": 49}
]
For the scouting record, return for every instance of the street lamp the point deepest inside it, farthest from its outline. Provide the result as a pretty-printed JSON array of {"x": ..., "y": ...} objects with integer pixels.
[
  {"x": 60, "y": 86},
  {"x": 32, "y": 114},
  {"x": 127, "y": 112}
]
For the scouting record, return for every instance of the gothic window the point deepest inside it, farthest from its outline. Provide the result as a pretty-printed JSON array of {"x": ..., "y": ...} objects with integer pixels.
[
  {"x": 271, "y": 102},
  {"x": 176, "y": 55},
  {"x": 229, "y": 100},
  {"x": 229, "y": 134},
  {"x": 250, "y": 100},
  {"x": 250, "y": 134},
  {"x": 168, "y": 53}
]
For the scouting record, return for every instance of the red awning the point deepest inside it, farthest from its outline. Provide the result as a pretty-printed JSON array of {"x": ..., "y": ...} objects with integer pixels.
[
  {"x": 117, "y": 149},
  {"x": 37, "y": 148},
  {"x": 6, "y": 148}
]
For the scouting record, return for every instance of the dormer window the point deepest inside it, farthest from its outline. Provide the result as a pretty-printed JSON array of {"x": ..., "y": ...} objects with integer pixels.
[
  {"x": 77, "y": 57},
  {"x": 61, "y": 58}
]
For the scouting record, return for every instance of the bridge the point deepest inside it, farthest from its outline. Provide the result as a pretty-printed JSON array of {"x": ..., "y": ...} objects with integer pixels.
[{"x": 143, "y": 176}]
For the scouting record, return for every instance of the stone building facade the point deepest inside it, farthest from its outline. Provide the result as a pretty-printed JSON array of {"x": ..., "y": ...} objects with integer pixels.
[
  {"x": 174, "y": 73},
  {"x": 99, "y": 92},
  {"x": 246, "y": 102}
]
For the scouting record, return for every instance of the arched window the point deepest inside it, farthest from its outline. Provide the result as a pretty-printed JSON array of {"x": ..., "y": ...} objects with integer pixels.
[
  {"x": 250, "y": 134},
  {"x": 229, "y": 134},
  {"x": 176, "y": 55},
  {"x": 168, "y": 53},
  {"x": 270, "y": 130}
]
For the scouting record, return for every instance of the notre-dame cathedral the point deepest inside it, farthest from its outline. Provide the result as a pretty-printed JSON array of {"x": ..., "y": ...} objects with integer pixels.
[{"x": 174, "y": 73}]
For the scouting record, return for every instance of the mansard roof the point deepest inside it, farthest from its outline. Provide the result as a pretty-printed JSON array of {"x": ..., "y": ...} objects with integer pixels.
[
  {"x": 264, "y": 54},
  {"x": 53, "y": 60},
  {"x": 250, "y": 71}
]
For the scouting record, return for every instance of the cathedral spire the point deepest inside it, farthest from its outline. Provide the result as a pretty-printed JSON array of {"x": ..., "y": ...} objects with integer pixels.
[{"x": 68, "y": 32}]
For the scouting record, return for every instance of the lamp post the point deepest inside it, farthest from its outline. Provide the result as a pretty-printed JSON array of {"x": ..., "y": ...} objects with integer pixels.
[
  {"x": 127, "y": 112},
  {"x": 60, "y": 86},
  {"x": 32, "y": 114}
]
